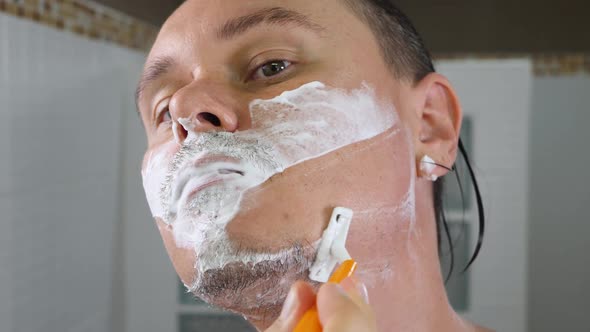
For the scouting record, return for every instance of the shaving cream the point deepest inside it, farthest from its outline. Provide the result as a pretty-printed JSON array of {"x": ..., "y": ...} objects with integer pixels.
[{"x": 198, "y": 189}]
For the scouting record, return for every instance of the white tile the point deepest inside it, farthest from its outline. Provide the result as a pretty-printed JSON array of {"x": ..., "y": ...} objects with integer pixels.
[
  {"x": 6, "y": 259},
  {"x": 60, "y": 147},
  {"x": 500, "y": 105}
]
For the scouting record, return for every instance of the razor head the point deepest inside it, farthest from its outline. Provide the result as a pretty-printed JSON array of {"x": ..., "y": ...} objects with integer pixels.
[{"x": 332, "y": 250}]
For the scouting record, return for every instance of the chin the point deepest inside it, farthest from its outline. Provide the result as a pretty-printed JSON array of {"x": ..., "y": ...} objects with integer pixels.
[{"x": 254, "y": 286}]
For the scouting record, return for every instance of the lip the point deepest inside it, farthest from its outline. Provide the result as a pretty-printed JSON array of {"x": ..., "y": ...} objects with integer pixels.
[
  {"x": 210, "y": 159},
  {"x": 200, "y": 174},
  {"x": 199, "y": 185}
]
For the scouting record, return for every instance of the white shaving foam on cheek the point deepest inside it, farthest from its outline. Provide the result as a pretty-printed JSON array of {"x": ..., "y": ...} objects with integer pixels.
[
  {"x": 153, "y": 172},
  {"x": 296, "y": 126}
]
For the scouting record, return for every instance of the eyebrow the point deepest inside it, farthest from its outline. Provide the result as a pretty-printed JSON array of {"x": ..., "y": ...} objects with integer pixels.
[
  {"x": 157, "y": 68},
  {"x": 231, "y": 29},
  {"x": 272, "y": 16}
]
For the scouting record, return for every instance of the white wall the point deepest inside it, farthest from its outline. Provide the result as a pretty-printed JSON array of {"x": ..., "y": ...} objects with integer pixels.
[
  {"x": 62, "y": 100},
  {"x": 6, "y": 250},
  {"x": 560, "y": 199},
  {"x": 497, "y": 96},
  {"x": 150, "y": 280}
]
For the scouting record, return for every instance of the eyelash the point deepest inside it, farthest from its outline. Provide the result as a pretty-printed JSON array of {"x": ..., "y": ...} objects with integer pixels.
[{"x": 161, "y": 113}]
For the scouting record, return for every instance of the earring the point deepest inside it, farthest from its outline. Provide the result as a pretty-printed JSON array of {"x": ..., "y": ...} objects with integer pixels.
[{"x": 427, "y": 167}]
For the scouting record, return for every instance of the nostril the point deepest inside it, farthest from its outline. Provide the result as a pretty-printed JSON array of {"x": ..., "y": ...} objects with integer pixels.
[{"x": 209, "y": 117}]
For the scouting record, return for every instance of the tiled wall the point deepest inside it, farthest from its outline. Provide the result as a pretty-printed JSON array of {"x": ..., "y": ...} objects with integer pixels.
[
  {"x": 550, "y": 64},
  {"x": 84, "y": 18},
  {"x": 62, "y": 101},
  {"x": 496, "y": 96},
  {"x": 559, "y": 273}
]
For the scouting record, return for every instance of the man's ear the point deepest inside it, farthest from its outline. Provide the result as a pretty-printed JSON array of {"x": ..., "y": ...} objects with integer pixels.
[{"x": 440, "y": 115}]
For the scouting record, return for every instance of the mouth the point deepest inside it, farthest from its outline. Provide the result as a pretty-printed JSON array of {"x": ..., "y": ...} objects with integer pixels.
[{"x": 201, "y": 174}]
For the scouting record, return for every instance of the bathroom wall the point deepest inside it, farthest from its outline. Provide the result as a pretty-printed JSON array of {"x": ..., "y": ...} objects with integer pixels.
[
  {"x": 496, "y": 96},
  {"x": 559, "y": 273},
  {"x": 149, "y": 278},
  {"x": 63, "y": 98},
  {"x": 532, "y": 274}
]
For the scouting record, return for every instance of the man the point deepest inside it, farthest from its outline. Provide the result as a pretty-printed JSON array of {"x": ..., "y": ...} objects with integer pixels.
[{"x": 261, "y": 117}]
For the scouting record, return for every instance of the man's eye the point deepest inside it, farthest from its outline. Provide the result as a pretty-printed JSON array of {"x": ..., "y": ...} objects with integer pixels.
[
  {"x": 271, "y": 68},
  {"x": 165, "y": 115}
]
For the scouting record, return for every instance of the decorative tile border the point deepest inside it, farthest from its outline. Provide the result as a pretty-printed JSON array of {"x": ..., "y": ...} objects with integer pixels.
[
  {"x": 561, "y": 65},
  {"x": 85, "y": 18},
  {"x": 549, "y": 64}
]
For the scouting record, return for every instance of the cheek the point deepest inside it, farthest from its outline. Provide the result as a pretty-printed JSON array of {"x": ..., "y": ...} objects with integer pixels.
[
  {"x": 283, "y": 211},
  {"x": 158, "y": 156},
  {"x": 295, "y": 206},
  {"x": 390, "y": 168},
  {"x": 153, "y": 172},
  {"x": 183, "y": 260}
]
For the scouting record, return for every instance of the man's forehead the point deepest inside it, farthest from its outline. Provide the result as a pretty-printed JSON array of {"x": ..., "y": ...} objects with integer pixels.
[
  {"x": 204, "y": 16},
  {"x": 210, "y": 20}
]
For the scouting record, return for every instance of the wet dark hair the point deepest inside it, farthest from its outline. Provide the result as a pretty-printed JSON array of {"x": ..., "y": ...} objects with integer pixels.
[{"x": 404, "y": 51}]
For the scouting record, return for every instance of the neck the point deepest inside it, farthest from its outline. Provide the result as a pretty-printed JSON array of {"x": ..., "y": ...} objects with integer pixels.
[
  {"x": 399, "y": 263},
  {"x": 405, "y": 282},
  {"x": 406, "y": 288}
]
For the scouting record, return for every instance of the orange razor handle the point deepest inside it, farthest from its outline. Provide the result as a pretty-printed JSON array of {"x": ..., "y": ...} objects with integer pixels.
[{"x": 311, "y": 319}]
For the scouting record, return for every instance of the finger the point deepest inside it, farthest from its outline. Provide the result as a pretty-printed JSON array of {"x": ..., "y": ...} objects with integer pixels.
[
  {"x": 300, "y": 298},
  {"x": 339, "y": 312},
  {"x": 357, "y": 291}
]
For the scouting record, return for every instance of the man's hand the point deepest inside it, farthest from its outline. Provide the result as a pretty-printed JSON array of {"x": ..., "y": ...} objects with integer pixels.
[{"x": 342, "y": 308}]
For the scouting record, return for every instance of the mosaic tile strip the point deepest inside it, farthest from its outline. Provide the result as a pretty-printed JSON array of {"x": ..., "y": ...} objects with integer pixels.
[
  {"x": 85, "y": 18},
  {"x": 561, "y": 65},
  {"x": 550, "y": 64}
]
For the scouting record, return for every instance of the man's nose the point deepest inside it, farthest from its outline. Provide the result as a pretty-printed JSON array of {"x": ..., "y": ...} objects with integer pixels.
[{"x": 207, "y": 106}]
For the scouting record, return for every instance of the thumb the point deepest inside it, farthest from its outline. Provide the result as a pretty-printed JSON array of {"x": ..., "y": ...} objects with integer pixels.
[
  {"x": 300, "y": 298},
  {"x": 344, "y": 311}
]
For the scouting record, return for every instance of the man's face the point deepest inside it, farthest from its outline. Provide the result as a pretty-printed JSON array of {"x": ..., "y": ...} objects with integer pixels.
[{"x": 240, "y": 241}]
